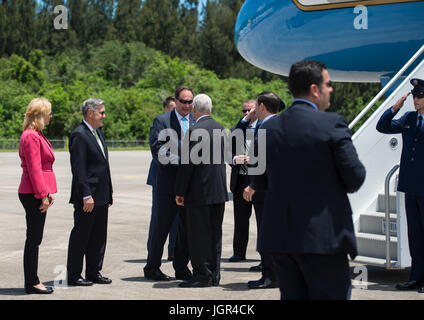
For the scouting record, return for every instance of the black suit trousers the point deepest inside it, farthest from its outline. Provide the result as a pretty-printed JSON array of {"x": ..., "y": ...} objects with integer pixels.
[
  {"x": 414, "y": 206},
  {"x": 204, "y": 234},
  {"x": 88, "y": 238},
  {"x": 35, "y": 221},
  {"x": 166, "y": 212},
  {"x": 312, "y": 276},
  {"x": 242, "y": 213},
  {"x": 266, "y": 259}
]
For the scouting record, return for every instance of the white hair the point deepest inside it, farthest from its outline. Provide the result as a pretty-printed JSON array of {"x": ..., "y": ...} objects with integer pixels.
[
  {"x": 203, "y": 103},
  {"x": 91, "y": 103}
]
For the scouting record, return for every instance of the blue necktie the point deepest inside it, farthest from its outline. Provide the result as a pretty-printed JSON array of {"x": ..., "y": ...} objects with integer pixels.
[{"x": 184, "y": 125}]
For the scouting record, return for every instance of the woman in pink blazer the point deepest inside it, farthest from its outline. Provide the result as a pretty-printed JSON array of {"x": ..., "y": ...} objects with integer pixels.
[{"x": 38, "y": 183}]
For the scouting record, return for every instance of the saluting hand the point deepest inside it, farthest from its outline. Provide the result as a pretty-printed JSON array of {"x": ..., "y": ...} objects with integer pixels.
[{"x": 400, "y": 102}]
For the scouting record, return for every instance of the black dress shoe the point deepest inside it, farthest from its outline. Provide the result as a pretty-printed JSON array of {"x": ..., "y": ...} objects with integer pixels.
[
  {"x": 262, "y": 283},
  {"x": 156, "y": 275},
  {"x": 194, "y": 284},
  {"x": 184, "y": 276},
  {"x": 80, "y": 282},
  {"x": 421, "y": 289},
  {"x": 257, "y": 268},
  {"x": 236, "y": 258},
  {"x": 100, "y": 279},
  {"x": 410, "y": 285},
  {"x": 33, "y": 290}
]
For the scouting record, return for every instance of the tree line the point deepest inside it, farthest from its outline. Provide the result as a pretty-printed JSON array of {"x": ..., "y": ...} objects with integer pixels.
[
  {"x": 132, "y": 54},
  {"x": 172, "y": 26}
]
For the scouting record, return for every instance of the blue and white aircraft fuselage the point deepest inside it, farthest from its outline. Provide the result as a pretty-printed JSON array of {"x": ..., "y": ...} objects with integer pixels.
[{"x": 359, "y": 41}]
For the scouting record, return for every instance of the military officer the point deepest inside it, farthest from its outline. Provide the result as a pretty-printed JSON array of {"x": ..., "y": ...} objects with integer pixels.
[{"x": 411, "y": 176}]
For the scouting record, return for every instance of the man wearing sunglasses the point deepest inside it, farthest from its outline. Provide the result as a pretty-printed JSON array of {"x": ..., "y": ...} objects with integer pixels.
[
  {"x": 238, "y": 181},
  {"x": 178, "y": 121},
  {"x": 411, "y": 176}
]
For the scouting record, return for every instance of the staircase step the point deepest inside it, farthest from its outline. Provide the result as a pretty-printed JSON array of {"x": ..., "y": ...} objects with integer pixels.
[
  {"x": 375, "y": 222},
  {"x": 374, "y": 261},
  {"x": 374, "y": 245},
  {"x": 381, "y": 203}
]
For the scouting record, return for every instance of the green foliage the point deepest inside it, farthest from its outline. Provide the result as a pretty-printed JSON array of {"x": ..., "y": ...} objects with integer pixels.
[
  {"x": 133, "y": 80},
  {"x": 132, "y": 54}
]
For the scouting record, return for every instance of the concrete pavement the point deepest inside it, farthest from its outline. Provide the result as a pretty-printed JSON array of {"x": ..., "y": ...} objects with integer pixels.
[{"x": 126, "y": 251}]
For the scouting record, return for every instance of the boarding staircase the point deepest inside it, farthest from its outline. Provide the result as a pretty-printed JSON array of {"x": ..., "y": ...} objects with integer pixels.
[{"x": 378, "y": 209}]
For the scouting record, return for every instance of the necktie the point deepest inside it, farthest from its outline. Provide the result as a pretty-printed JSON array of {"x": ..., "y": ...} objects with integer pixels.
[
  {"x": 99, "y": 142},
  {"x": 247, "y": 140},
  {"x": 420, "y": 121},
  {"x": 184, "y": 125},
  {"x": 257, "y": 128}
]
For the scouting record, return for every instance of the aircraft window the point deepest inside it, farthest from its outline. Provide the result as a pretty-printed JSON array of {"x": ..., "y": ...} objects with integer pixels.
[{"x": 312, "y": 5}]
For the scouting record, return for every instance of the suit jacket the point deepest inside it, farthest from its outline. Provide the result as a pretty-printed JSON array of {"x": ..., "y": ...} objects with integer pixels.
[
  {"x": 411, "y": 175},
  {"x": 235, "y": 169},
  {"x": 203, "y": 184},
  {"x": 151, "y": 177},
  {"x": 153, "y": 169},
  {"x": 90, "y": 168},
  {"x": 166, "y": 173},
  {"x": 37, "y": 159},
  {"x": 311, "y": 165}
]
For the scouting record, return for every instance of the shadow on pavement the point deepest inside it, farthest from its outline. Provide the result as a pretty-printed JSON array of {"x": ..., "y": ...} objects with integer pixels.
[{"x": 12, "y": 292}]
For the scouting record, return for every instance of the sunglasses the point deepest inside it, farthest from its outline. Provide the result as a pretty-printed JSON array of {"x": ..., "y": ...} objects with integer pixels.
[
  {"x": 419, "y": 95},
  {"x": 185, "y": 101},
  {"x": 245, "y": 110}
]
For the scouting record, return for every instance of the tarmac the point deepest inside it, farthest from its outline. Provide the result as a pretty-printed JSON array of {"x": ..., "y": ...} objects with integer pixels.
[{"x": 126, "y": 251}]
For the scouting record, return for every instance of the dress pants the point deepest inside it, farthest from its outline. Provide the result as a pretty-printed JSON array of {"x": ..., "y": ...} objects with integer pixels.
[
  {"x": 172, "y": 237},
  {"x": 204, "y": 234},
  {"x": 242, "y": 213},
  {"x": 312, "y": 276},
  {"x": 267, "y": 271},
  {"x": 167, "y": 210},
  {"x": 88, "y": 237},
  {"x": 35, "y": 221},
  {"x": 414, "y": 206}
]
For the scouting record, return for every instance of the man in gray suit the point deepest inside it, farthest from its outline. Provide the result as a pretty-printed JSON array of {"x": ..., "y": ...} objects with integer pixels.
[{"x": 202, "y": 189}]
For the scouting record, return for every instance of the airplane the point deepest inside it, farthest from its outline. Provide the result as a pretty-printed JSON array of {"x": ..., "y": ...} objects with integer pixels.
[{"x": 359, "y": 41}]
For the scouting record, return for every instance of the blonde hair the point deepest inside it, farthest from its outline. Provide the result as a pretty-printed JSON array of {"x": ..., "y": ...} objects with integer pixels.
[{"x": 35, "y": 113}]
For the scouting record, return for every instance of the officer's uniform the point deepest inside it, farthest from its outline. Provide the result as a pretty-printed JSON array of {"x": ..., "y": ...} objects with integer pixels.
[{"x": 411, "y": 176}]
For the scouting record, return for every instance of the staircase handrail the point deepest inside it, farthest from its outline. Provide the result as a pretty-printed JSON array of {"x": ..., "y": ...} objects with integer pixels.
[
  {"x": 383, "y": 91},
  {"x": 387, "y": 211}
]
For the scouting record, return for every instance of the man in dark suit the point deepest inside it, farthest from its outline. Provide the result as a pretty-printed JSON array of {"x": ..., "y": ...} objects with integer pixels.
[
  {"x": 267, "y": 106},
  {"x": 202, "y": 189},
  {"x": 238, "y": 181},
  {"x": 168, "y": 106},
  {"x": 91, "y": 195},
  {"x": 165, "y": 144},
  {"x": 311, "y": 165},
  {"x": 411, "y": 176}
]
